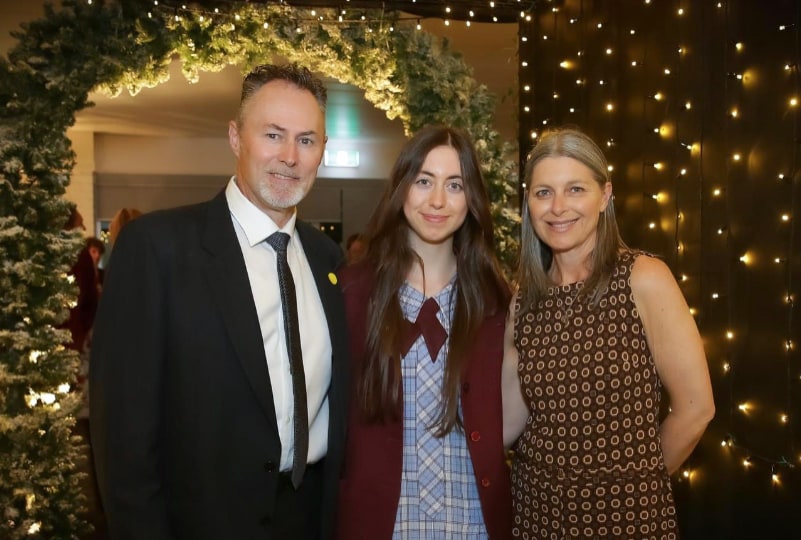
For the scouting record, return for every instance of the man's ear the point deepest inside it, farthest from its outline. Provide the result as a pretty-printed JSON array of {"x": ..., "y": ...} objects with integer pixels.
[{"x": 233, "y": 137}]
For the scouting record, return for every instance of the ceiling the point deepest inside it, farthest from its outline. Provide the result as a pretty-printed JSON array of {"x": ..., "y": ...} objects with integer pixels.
[{"x": 204, "y": 108}]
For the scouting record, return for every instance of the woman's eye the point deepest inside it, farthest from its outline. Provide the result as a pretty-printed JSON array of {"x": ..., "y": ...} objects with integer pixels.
[{"x": 455, "y": 187}]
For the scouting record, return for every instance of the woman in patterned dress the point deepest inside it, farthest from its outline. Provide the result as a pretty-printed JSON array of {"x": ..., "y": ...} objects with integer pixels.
[
  {"x": 424, "y": 457},
  {"x": 594, "y": 332}
]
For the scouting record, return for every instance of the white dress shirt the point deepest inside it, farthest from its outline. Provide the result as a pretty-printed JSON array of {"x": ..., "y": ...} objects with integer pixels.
[{"x": 252, "y": 228}]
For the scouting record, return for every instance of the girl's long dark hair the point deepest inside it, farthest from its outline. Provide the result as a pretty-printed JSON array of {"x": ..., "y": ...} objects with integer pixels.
[{"x": 480, "y": 286}]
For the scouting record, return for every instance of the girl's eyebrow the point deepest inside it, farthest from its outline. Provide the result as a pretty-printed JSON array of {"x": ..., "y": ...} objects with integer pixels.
[{"x": 451, "y": 177}]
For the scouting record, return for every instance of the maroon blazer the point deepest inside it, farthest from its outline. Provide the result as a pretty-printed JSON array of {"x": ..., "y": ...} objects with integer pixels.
[{"x": 371, "y": 477}]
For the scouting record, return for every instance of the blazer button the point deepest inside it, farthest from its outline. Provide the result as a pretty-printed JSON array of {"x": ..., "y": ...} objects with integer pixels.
[
  {"x": 485, "y": 482},
  {"x": 269, "y": 466},
  {"x": 475, "y": 436},
  {"x": 466, "y": 387}
]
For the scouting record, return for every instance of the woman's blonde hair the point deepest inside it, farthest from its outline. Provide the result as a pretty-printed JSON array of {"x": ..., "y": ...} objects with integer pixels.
[{"x": 535, "y": 256}]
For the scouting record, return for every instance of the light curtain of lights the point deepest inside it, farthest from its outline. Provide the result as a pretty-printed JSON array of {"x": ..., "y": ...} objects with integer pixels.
[{"x": 702, "y": 138}]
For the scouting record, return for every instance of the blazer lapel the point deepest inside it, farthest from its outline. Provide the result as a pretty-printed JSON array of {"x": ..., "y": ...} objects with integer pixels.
[
  {"x": 324, "y": 273},
  {"x": 229, "y": 284},
  {"x": 319, "y": 268},
  {"x": 323, "y": 266}
]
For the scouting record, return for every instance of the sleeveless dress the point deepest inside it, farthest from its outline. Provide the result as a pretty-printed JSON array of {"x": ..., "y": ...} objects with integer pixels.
[{"x": 589, "y": 463}]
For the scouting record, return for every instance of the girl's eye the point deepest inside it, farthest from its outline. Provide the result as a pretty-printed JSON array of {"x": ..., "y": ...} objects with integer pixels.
[
  {"x": 541, "y": 193},
  {"x": 455, "y": 187},
  {"x": 423, "y": 181}
]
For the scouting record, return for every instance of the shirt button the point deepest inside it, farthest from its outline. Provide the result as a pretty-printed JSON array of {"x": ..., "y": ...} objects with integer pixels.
[
  {"x": 485, "y": 482},
  {"x": 475, "y": 436},
  {"x": 466, "y": 387}
]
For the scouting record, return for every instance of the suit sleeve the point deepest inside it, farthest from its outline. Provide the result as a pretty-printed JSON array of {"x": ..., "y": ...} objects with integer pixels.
[{"x": 126, "y": 375}]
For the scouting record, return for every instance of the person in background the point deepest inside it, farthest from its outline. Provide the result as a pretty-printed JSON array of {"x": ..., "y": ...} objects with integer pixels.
[
  {"x": 193, "y": 400},
  {"x": 355, "y": 248},
  {"x": 86, "y": 276},
  {"x": 425, "y": 311},
  {"x": 595, "y": 331},
  {"x": 120, "y": 219}
]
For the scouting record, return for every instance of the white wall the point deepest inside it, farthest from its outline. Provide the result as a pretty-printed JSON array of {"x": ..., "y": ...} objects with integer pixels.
[{"x": 152, "y": 173}]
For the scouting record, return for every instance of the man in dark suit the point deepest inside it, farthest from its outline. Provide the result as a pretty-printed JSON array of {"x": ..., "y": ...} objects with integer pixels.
[{"x": 192, "y": 397}]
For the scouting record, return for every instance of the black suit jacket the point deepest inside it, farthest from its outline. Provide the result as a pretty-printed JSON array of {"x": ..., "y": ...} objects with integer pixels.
[{"x": 183, "y": 424}]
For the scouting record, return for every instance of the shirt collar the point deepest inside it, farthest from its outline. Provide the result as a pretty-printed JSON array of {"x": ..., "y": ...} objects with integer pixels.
[{"x": 255, "y": 224}]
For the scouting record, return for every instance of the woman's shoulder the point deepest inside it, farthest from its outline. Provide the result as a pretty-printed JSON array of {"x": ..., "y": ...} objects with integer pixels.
[{"x": 648, "y": 272}]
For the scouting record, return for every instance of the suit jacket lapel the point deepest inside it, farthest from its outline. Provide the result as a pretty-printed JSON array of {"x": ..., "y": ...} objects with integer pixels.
[
  {"x": 323, "y": 268},
  {"x": 322, "y": 271},
  {"x": 229, "y": 283}
]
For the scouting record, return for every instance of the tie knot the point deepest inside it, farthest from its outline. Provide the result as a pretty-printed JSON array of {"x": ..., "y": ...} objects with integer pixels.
[{"x": 279, "y": 241}]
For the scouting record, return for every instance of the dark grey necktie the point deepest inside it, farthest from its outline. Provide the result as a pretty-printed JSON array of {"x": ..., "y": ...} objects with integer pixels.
[{"x": 289, "y": 302}]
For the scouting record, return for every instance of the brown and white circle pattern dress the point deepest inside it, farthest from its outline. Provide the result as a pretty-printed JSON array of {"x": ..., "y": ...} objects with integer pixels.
[{"x": 589, "y": 463}]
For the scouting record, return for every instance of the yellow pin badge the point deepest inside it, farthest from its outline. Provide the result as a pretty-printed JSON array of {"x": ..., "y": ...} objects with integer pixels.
[{"x": 332, "y": 277}]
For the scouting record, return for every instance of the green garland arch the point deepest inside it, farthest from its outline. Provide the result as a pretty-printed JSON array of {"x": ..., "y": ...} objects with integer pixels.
[{"x": 122, "y": 45}]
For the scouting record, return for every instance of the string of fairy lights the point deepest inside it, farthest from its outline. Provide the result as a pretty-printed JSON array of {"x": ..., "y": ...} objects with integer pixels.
[
  {"x": 742, "y": 77},
  {"x": 467, "y": 11},
  {"x": 573, "y": 64}
]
